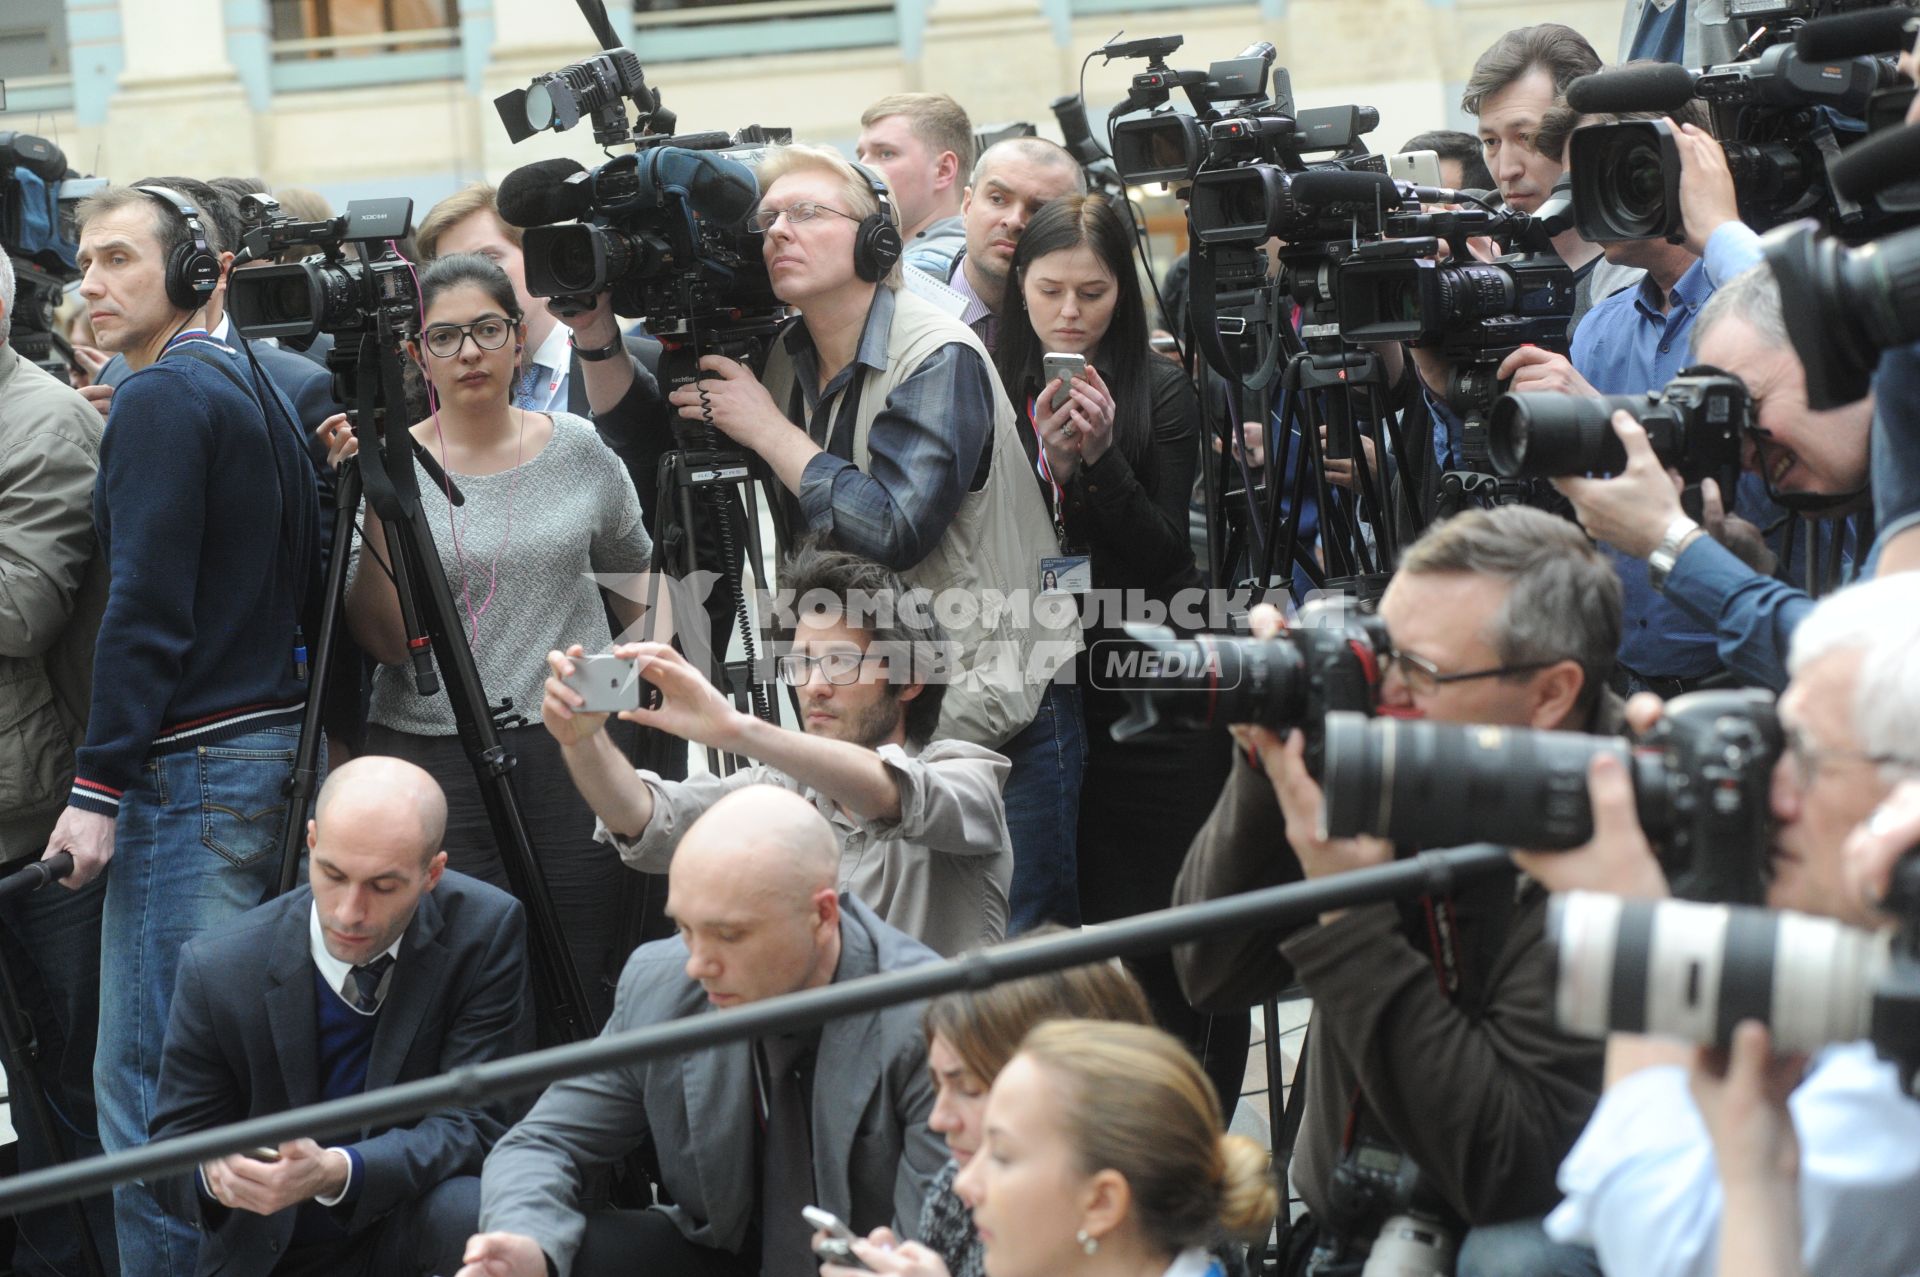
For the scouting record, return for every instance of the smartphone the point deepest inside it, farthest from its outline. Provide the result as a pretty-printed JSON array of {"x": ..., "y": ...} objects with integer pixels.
[
  {"x": 265, "y": 1153},
  {"x": 827, "y": 1222},
  {"x": 1422, "y": 168},
  {"x": 608, "y": 683},
  {"x": 1065, "y": 368},
  {"x": 831, "y": 1250}
]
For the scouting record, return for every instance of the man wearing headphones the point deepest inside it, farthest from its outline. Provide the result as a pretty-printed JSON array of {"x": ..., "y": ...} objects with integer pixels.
[
  {"x": 208, "y": 520},
  {"x": 882, "y": 417}
]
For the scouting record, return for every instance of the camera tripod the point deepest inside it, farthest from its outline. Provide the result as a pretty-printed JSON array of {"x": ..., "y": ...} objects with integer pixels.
[{"x": 369, "y": 374}]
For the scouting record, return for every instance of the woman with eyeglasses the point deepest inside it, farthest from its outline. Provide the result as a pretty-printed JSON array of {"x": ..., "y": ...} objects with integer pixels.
[
  {"x": 546, "y": 505},
  {"x": 1115, "y": 456}
]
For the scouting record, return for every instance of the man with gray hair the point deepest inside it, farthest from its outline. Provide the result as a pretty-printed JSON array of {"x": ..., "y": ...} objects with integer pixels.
[
  {"x": 1505, "y": 616},
  {"x": 52, "y": 591},
  {"x": 1010, "y": 182},
  {"x": 1641, "y": 1185}
]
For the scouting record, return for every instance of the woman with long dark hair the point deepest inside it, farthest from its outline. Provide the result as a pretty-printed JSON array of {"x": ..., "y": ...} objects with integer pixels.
[
  {"x": 1115, "y": 462},
  {"x": 546, "y": 505}
]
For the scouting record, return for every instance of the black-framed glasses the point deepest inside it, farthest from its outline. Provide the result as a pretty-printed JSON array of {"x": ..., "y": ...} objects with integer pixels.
[
  {"x": 838, "y": 668},
  {"x": 489, "y": 332},
  {"x": 799, "y": 211},
  {"x": 1424, "y": 677}
]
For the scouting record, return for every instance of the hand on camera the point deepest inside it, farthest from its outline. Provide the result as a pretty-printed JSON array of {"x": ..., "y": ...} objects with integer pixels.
[
  {"x": 1741, "y": 1092},
  {"x": 1746, "y": 541},
  {"x": 739, "y": 406},
  {"x": 503, "y": 1255},
  {"x": 1707, "y": 199},
  {"x": 1340, "y": 469},
  {"x": 1618, "y": 860},
  {"x": 1299, "y": 795},
  {"x": 1531, "y": 370},
  {"x": 101, "y": 397},
  {"x": 882, "y": 1252},
  {"x": 595, "y": 328},
  {"x": 690, "y": 707},
  {"x": 1876, "y": 845},
  {"x": 304, "y": 1171},
  {"x": 560, "y": 705},
  {"x": 337, "y": 434},
  {"x": 1632, "y": 510}
]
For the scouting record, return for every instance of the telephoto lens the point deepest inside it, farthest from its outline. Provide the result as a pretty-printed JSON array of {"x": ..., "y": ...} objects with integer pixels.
[
  {"x": 1682, "y": 969},
  {"x": 1694, "y": 424}
]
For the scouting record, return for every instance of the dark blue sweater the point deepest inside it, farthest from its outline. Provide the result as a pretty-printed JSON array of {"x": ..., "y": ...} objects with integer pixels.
[{"x": 209, "y": 521}]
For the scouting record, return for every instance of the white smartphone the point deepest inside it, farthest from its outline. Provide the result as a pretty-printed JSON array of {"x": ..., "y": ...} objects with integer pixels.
[
  {"x": 837, "y": 1246},
  {"x": 1422, "y": 168},
  {"x": 1065, "y": 368},
  {"x": 608, "y": 683}
]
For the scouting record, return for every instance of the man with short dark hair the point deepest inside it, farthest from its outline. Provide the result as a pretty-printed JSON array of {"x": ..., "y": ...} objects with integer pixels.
[
  {"x": 1462, "y": 166},
  {"x": 921, "y": 825},
  {"x": 922, "y": 144},
  {"x": 750, "y": 1132},
  {"x": 208, "y": 519},
  {"x": 1433, "y": 1036},
  {"x": 1010, "y": 182},
  {"x": 384, "y": 969}
]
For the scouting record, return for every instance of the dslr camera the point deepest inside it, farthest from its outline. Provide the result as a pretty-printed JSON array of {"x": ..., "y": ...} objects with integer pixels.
[
  {"x": 1380, "y": 1203},
  {"x": 1676, "y": 968},
  {"x": 328, "y": 291},
  {"x": 1700, "y": 782},
  {"x": 1695, "y": 424},
  {"x": 1328, "y": 660}
]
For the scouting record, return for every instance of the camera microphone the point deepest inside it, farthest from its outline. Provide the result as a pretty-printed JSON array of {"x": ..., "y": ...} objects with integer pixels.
[
  {"x": 541, "y": 193},
  {"x": 1883, "y": 160},
  {"x": 1339, "y": 186},
  {"x": 1666, "y": 87},
  {"x": 1070, "y": 112},
  {"x": 1852, "y": 35}
]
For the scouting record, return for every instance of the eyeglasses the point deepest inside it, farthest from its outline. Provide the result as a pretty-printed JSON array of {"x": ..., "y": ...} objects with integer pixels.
[
  {"x": 796, "y": 212},
  {"x": 1808, "y": 758},
  {"x": 488, "y": 332},
  {"x": 1423, "y": 677},
  {"x": 838, "y": 668}
]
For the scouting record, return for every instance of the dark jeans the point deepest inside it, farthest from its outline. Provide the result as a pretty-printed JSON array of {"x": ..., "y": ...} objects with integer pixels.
[
  {"x": 1522, "y": 1249},
  {"x": 1043, "y": 812},
  {"x": 423, "y": 1237},
  {"x": 590, "y": 886},
  {"x": 50, "y": 944},
  {"x": 621, "y": 1243}
]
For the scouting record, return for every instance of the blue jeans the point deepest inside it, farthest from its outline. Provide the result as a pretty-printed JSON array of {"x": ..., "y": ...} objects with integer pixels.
[
  {"x": 1049, "y": 756},
  {"x": 1522, "y": 1249},
  {"x": 51, "y": 943},
  {"x": 197, "y": 842}
]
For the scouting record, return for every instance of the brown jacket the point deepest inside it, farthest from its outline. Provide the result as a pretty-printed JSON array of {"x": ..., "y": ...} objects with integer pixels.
[{"x": 1484, "y": 1092}]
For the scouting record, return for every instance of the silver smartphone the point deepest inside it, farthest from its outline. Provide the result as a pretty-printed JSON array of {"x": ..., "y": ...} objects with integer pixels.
[
  {"x": 608, "y": 683},
  {"x": 1422, "y": 168},
  {"x": 837, "y": 1246},
  {"x": 1065, "y": 368}
]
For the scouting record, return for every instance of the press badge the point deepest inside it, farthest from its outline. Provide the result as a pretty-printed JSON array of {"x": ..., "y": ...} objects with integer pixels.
[{"x": 1066, "y": 574}]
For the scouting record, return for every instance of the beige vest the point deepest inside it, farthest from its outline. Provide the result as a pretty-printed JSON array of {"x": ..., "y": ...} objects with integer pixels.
[{"x": 985, "y": 572}]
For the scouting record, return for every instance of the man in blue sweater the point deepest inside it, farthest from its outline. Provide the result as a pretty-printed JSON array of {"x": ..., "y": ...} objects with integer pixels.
[{"x": 208, "y": 520}]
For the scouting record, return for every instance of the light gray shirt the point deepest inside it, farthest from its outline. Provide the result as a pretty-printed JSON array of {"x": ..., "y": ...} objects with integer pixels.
[
  {"x": 939, "y": 873},
  {"x": 528, "y": 539}
]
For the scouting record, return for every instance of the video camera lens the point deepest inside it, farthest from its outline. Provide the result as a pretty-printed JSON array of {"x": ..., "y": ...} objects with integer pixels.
[
  {"x": 295, "y": 301},
  {"x": 580, "y": 258},
  {"x": 1626, "y": 181},
  {"x": 1165, "y": 147},
  {"x": 1844, "y": 306}
]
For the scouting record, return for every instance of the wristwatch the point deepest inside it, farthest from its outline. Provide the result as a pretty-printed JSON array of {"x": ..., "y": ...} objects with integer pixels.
[
  {"x": 594, "y": 354},
  {"x": 1680, "y": 534}
]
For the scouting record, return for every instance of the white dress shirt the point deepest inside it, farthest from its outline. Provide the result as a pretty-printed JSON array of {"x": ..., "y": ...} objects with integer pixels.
[
  {"x": 1642, "y": 1188},
  {"x": 556, "y": 356}
]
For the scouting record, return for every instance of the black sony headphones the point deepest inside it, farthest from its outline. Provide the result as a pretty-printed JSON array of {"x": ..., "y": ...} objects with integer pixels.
[
  {"x": 876, "y": 245},
  {"x": 193, "y": 269}
]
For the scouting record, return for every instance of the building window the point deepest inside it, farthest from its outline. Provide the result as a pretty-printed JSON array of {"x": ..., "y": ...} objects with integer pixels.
[
  {"x": 33, "y": 39},
  {"x": 346, "y": 28}
]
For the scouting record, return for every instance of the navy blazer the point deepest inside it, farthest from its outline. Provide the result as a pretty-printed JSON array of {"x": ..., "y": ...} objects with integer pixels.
[{"x": 242, "y": 1042}]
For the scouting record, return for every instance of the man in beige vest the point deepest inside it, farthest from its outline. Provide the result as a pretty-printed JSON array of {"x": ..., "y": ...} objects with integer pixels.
[{"x": 885, "y": 423}]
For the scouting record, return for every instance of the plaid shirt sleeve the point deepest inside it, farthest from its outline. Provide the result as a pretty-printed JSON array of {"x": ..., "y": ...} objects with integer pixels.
[{"x": 922, "y": 453}]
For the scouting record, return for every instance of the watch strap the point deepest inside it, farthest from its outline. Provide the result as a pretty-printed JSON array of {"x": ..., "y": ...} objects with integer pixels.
[{"x": 595, "y": 354}]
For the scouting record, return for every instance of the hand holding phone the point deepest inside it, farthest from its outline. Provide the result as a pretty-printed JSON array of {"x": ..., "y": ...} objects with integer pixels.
[
  {"x": 607, "y": 683},
  {"x": 837, "y": 1246},
  {"x": 1063, "y": 368}
]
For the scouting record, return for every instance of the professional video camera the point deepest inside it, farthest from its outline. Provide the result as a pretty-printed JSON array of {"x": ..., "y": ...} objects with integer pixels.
[
  {"x": 327, "y": 292},
  {"x": 1700, "y": 781},
  {"x": 1695, "y": 424},
  {"x": 1676, "y": 968},
  {"x": 1328, "y": 660},
  {"x": 38, "y": 193},
  {"x": 1783, "y": 118},
  {"x": 1844, "y": 306}
]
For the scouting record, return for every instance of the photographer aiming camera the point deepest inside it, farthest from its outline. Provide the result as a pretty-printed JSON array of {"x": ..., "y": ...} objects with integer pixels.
[
  {"x": 1640, "y": 1183},
  {"x": 921, "y": 827},
  {"x": 882, "y": 418},
  {"x": 1432, "y": 1038}
]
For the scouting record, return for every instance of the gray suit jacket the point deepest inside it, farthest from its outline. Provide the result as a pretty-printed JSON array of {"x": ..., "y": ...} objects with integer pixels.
[
  {"x": 242, "y": 1042},
  {"x": 874, "y": 1155}
]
